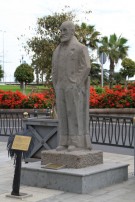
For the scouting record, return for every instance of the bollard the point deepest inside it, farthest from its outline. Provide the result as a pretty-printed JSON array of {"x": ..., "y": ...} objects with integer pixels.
[
  {"x": 25, "y": 115},
  {"x": 48, "y": 112},
  {"x": 35, "y": 112}
]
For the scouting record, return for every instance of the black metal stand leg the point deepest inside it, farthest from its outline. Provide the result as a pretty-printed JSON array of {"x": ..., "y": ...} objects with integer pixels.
[{"x": 17, "y": 174}]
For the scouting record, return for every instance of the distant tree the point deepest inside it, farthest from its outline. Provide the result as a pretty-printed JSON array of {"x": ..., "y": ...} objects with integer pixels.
[
  {"x": 128, "y": 69},
  {"x": 24, "y": 74},
  {"x": 1, "y": 73},
  {"x": 116, "y": 49}
]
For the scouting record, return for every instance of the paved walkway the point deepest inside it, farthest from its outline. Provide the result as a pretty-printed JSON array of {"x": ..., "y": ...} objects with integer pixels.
[{"x": 123, "y": 192}]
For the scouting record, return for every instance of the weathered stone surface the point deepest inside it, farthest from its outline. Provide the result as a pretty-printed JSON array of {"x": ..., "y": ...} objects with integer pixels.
[
  {"x": 74, "y": 159},
  {"x": 81, "y": 181},
  {"x": 70, "y": 76}
]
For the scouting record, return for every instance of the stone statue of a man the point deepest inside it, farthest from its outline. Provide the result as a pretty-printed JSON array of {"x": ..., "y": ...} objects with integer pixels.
[{"x": 70, "y": 70}]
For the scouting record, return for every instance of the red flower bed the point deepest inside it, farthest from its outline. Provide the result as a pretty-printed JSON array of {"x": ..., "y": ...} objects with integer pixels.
[
  {"x": 11, "y": 100},
  {"x": 17, "y": 100},
  {"x": 34, "y": 101},
  {"x": 118, "y": 97},
  {"x": 94, "y": 98}
]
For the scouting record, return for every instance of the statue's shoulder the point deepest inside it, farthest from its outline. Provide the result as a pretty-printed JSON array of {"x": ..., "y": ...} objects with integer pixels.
[
  {"x": 81, "y": 48},
  {"x": 55, "y": 52},
  {"x": 56, "y": 49},
  {"x": 79, "y": 45}
]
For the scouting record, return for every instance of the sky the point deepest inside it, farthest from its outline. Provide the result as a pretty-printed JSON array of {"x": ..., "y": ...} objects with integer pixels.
[{"x": 16, "y": 16}]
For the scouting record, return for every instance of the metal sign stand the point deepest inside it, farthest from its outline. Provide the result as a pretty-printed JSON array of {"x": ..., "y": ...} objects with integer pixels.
[
  {"x": 17, "y": 174},
  {"x": 18, "y": 161}
]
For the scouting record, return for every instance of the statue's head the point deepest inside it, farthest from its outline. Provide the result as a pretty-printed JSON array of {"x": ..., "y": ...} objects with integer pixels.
[{"x": 67, "y": 31}]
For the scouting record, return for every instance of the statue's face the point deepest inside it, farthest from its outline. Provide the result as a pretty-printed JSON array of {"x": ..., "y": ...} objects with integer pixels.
[{"x": 66, "y": 33}]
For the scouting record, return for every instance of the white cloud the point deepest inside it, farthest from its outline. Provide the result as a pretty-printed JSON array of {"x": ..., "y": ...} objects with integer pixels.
[{"x": 108, "y": 16}]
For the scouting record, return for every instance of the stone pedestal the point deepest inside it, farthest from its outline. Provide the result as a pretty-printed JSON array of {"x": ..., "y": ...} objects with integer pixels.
[
  {"x": 82, "y": 180},
  {"x": 74, "y": 159}
]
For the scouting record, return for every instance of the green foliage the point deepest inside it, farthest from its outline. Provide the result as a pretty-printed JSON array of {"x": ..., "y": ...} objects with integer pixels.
[
  {"x": 29, "y": 88},
  {"x": 99, "y": 89},
  {"x": 94, "y": 73},
  {"x": 12, "y": 88},
  {"x": 118, "y": 78},
  {"x": 1, "y": 73},
  {"x": 24, "y": 73}
]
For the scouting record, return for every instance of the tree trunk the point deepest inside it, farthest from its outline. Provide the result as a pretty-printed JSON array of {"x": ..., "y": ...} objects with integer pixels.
[
  {"x": 37, "y": 76},
  {"x": 126, "y": 82},
  {"x": 111, "y": 76},
  {"x": 42, "y": 77},
  {"x": 21, "y": 85}
]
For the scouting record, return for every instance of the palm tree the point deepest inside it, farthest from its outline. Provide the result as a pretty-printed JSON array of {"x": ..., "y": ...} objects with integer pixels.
[
  {"x": 116, "y": 49},
  {"x": 87, "y": 35}
]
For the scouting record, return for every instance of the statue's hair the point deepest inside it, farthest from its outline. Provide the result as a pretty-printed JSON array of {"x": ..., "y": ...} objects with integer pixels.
[{"x": 69, "y": 24}]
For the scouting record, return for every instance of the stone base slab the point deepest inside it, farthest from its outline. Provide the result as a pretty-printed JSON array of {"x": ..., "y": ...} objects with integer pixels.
[
  {"x": 83, "y": 180},
  {"x": 74, "y": 159},
  {"x": 21, "y": 196}
]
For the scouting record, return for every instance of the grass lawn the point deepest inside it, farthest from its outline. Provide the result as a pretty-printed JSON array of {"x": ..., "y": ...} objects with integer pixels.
[{"x": 28, "y": 90}]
